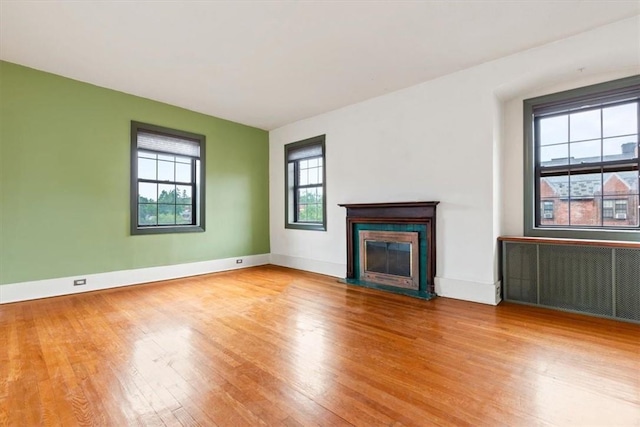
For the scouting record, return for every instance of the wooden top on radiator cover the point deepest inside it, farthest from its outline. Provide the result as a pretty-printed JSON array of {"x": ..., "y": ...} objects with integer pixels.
[{"x": 570, "y": 242}]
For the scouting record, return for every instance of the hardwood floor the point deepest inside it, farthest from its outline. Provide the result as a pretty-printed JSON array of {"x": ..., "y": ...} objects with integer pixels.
[{"x": 273, "y": 346}]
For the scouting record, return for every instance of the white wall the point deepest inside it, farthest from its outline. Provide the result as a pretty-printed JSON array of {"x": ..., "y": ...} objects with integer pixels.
[{"x": 456, "y": 139}]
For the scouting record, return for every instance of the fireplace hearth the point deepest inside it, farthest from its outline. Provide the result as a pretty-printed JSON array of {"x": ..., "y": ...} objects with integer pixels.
[{"x": 391, "y": 246}]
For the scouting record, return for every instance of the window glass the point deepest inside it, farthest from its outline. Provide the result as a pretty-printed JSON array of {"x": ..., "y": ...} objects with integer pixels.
[
  {"x": 620, "y": 120},
  {"x": 554, "y": 130},
  {"x": 584, "y": 125}
]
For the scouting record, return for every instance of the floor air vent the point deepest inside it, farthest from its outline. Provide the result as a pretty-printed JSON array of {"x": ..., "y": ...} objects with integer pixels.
[{"x": 602, "y": 281}]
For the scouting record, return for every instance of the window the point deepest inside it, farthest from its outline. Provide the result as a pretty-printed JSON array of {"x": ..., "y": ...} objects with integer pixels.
[
  {"x": 607, "y": 209},
  {"x": 582, "y": 163},
  {"x": 547, "y": 209},
  {"x": 621, "y": 209},
  {"x": 167, "y": 180},
  {"x": 305, "y": 184}
]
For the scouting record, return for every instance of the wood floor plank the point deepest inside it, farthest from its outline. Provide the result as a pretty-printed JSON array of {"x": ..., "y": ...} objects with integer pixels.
[{"x": 271, "y": 346}]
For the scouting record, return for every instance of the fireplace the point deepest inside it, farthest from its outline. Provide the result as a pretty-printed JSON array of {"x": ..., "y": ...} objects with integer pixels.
[
  {"x": 390, "y": 258},
  {"x": 391, "y": 246}
]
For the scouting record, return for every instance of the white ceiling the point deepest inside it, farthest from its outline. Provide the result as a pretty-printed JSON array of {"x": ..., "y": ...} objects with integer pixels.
[{"x": 270, "y": 63}]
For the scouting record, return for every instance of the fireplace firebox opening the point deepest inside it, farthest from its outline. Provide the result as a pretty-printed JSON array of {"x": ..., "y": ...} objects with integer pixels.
[{"x": 390, "y": 258}]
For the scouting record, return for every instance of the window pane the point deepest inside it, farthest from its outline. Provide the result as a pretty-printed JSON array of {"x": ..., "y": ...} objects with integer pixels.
[
  {"x": 621, "y": 212},
  {"x": 554, "y": 130},
  {"x": 633, "y": 216},
  {"x": 584, "y": 125},
  {"x": 309, "y": 195},
  {"x": 183, "y": 159},
  {"x": 620, "y": 120},
  {"x": 554, "y": 155},
  {"x": 620, "y": 148},
  {"x": 554, "y": 190},
  {"x": 585, "y": 193},
  {"x": 312, "y": 176},
  {"x": 166, "y": 214},
  {"x": 147, "y": 214},
  {"x": 310, "y": 205},
  {"x": 183, "y": 172},
  {"x": 620, "y": 183},
  {"x": 303, "y": 196},
  {"x": 583, "y": 212},
  {"x": 607, "y": 210},
  {"x": 621, "y": 194},
  {"x": 585, "y": 152},
  {"x": 310, "y": 172},
  {"x": 303, "y": 176},
  {"x": 553, "y": 187},
  {"x": 183, "y": 214},
  {"x": 166, "y": 171},
  {"x": 302, "y": 213},
  {"x": 183, "y": 194},
  {"x": 166, "y": 193},
  {"x": 147, "y": 192},
  {"x": 585, "y": 186},
  {"x": 146, "y": 168},
  {"x": 310, "y": 213},
  {"x": 553, "y": 211},
  {"x": 166, "y": 157}
]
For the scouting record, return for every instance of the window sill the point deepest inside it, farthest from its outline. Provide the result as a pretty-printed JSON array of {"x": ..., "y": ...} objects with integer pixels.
[
  {"x": 167, "y": 229},
  {"x": 571, "y": 242},
  {"x": 313, "y": 227}
]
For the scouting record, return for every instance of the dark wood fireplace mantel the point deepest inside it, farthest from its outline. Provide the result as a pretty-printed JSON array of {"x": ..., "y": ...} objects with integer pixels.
[{"x": 422, "y": 213}]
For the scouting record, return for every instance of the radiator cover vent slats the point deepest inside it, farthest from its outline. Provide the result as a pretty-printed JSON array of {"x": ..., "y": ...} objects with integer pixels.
[
  {"x": 628, "y": 284},
  {"x": 594, "y": 280}
]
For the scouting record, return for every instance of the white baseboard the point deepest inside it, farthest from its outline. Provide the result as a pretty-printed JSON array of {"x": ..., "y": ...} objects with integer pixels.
[
  {"x": 322, "y": 267},
  {"x": 485, "y": 293},
  {"x": 25, "y": 291}
]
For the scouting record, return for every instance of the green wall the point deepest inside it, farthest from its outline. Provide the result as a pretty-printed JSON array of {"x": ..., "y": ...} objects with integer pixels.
[{"x": 64, "y": 181}]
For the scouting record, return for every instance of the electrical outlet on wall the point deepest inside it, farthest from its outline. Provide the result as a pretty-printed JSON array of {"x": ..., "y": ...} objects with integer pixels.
[
  {"x": 79, "y": 282},
  {"x": 239, "y": 261}
]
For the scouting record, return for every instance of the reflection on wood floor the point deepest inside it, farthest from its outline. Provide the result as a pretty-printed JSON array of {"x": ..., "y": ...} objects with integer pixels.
[{"x": 273, "y": 346}]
